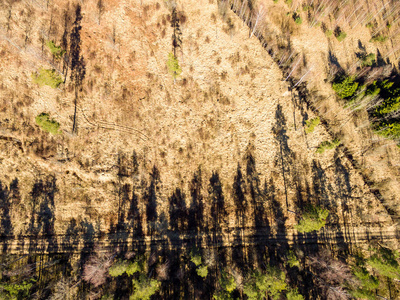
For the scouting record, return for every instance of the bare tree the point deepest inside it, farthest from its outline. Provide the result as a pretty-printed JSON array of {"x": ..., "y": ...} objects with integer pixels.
[
  {"x": 258, "y": 20},
  {"x": 95, "y": 270}
]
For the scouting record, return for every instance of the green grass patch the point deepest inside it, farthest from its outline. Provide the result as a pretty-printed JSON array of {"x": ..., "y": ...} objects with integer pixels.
[
  {"x": 327, "y": 145},
  {"x": 313, "y": 219},
  {"x": 47, "y": 124},
  {"x": 47, "y": 77},
  {"x": 311, "y": 124}
]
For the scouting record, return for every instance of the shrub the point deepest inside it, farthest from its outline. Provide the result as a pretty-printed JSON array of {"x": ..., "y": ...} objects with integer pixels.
[
  {"x": 173, "y": 66},
  {"x": 294, "y": 295},
  {"x": 144, "y": 288},
  {"x": 385, "y": 263},
  {"x": 379, "y": 38},
  {"x": 292, "y": 260},
  {"x": 196, "y": 259},
  {"x": 327, "y": 145},
  {"x": 341, "y": 36},
  {"x": 345, "y": 87},
  {"x": 328, "y": 33},
  {"x": 118, "y": 268},
  {"x": 273, "y": 283},
  {"x": 52, "y": 126},
  {"x": 57, "y": 51},
  {"x": 47, "y": 77},
  {"x": 311, "y": 124},
  {"x": 17, "y": 291},
  {"x": 368, "y": 60},
  {"x": 389, "y": 129},
  {"x": 312, "y": 220},
  {"x": 202, "y": 271}
]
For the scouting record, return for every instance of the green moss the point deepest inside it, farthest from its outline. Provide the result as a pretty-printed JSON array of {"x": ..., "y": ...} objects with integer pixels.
[
  {"x": 313, "y": 219},
  {"x": 345, "y": 87},
  {"x": 47, "y": 77},
  {"x": 47, "y": 124},
  {"x": 327, "y": 145},
  {"x": 311, "y": 124}
]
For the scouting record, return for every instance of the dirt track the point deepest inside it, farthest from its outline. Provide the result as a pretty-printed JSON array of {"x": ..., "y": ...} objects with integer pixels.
[{"x": 233, "y": 238}]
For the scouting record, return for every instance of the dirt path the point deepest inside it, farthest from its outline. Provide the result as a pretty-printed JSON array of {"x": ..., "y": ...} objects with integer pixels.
[{"x": 232, "y": 238}]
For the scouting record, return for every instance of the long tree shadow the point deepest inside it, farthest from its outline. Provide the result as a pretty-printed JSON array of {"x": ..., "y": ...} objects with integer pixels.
[
  {"x": 150, "y": 200},
  {"x": 6, "y": 196},
  {"x": 196, "y": 210},
  {"x": 42, "y": 214},
  {"x": 285, "y": 156}
]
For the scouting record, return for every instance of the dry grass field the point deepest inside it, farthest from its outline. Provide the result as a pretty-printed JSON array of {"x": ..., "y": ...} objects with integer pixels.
[{"x": 229, "y": 114}]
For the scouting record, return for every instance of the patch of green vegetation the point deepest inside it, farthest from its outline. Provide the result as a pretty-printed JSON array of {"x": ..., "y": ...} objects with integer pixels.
[
  {"x": 391, "y": 96},
  {"x": 327, "y": 145},
  {"x": 57, "y": 51},
  {"x": 379, "y": 38},
  {"x": 47, "y": 124},
  {"x": 47, "y": 77},
  {"x": 289, "y": 2},
  {"x": 144, "y": 288},
  {"x": 292, "y": 260},
  {"x": 202, "y": 271},
  {"x": 276, "y": 1},
  {"x": 369, "y": 25},
  {"x": 328, "y": 33},
  {"x": 311, "y": 124},
  {"x": 173, "y": 66},
  {"x": 298, "y": 20},
  {"x": 313, "y": 219},
  {"x": 384, "y": 261},
  {"x": 345, "y": 86},
  {"x": 227, "y": 285},
  {"x": 17, "y": 291},
  {"x": 271, "y": 283},
  {"x": 294, "y": 295},
  {"x": 341, "y": 36},
  {"x": 389, "y": 129},
  {"x": 368, "y": 60},
  {"x": 124, "y": 266},
  {"x": 196, "y": 259}
]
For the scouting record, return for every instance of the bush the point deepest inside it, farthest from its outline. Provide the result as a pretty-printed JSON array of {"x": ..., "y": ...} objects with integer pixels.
[
  {"x": 173, "y": 66},
  {"x": 258, "y": 285},
  {"x": 196, "y": 259},
  {"x": 311, "y": 124},
  {"x": 202, "y": 271},
  {"x": 52, "y": 126},
  {"x": 328, "y": 33},
  {"x": 327, "y": 145},
  {"x": 294, "y": 295},
  {"x": 292, "y": 260},
  {"x": 144, "y": 288},
  {"x": 345, "y": 87},
  {"x": 379, "y": 38},
  {"x": 118, "y": 268},
  {"x": 312, "y": 220},
  {"x": 341, "y": 36},
  {"x": 47, "y": 77},
  {"x": 368, "y": 60},
  {"x": 57, "y": 51},
  {"x": 385, "y": 263},
  {"x": 389, "y": 129}
]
